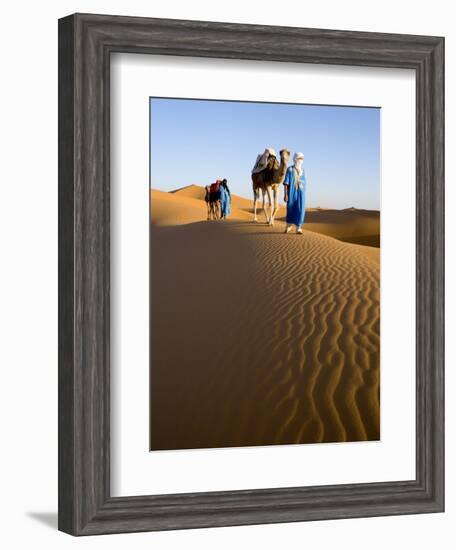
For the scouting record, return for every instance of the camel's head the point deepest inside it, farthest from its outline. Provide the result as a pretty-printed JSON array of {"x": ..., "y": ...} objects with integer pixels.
[{"x": 285, "y": 155}]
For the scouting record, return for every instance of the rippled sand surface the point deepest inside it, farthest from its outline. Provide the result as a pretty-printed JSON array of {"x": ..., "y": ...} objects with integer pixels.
[{"x": 259, "y": 338}]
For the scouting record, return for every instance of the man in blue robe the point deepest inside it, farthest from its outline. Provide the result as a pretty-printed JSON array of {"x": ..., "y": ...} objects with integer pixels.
[
  {"x": 295, "y": 194},
  {"x": 225, "y": 199}
]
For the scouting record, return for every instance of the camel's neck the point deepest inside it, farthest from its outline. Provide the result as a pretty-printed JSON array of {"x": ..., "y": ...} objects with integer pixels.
[{"x": 280, "y": 173}]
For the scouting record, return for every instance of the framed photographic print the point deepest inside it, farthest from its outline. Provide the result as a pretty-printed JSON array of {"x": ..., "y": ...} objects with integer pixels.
[{"x": 250, "y": 274}]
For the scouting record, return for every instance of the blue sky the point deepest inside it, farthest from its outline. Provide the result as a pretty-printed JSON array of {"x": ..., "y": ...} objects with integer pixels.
[{"x": 198, "y": 141}]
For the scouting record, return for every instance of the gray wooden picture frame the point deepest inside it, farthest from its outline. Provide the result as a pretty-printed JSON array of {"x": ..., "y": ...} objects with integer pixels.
[{"x": 85, "y": 45}]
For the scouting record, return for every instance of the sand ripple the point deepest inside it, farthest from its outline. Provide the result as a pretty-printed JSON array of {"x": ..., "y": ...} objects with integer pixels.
[{"x": 276, "y": 341}]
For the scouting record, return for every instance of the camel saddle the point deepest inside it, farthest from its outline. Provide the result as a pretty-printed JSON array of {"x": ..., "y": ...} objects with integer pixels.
[{"x": 262, "y": 160}]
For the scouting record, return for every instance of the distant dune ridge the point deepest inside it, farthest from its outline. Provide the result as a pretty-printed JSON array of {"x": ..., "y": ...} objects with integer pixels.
[
  {"x": 261, "y": 338},
  {"x": 350, "y": 224}
]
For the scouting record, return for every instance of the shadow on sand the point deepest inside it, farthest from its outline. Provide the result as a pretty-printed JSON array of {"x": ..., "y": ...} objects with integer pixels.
[{"x": 257, "y": 343}]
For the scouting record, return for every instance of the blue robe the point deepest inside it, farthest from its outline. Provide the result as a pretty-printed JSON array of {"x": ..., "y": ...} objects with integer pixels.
[
  {"x": 225, "y": 200},
  {"x": 296, "y": 204}
]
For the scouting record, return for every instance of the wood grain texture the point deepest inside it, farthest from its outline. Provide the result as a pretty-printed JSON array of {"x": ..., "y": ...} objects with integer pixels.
[
  {"x": 85, "y": 45},
  {"x": 66, "y": 276}
]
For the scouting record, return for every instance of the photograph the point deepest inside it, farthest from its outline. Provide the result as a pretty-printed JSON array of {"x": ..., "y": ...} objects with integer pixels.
[{"x": 264, "y": 273}]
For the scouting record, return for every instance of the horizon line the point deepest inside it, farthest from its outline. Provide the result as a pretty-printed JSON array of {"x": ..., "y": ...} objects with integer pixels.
[{"x": 250, "y": 199}]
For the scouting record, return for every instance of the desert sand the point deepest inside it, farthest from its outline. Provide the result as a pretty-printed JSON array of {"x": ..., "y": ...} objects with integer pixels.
[{"x": 261, "y": 338}]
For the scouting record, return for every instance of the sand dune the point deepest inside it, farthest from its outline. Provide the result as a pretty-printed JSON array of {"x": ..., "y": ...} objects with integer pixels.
[
  {"x": 190, "y": 191},
  {"x": 351, "y": 225},
  {"x": 198, "y": 192},
  {"x": 178, "y": 209},
  {"x": 257, "y": 337}
]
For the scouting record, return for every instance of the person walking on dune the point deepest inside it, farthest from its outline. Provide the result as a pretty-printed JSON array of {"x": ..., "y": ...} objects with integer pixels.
[
  {"x": 225, "y": 199},
  {"x": 214, "y": 199},
  {"x": 295, "y": 194}
]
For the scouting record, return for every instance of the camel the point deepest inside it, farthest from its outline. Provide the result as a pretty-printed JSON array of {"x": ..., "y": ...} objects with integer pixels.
[
  {"x": 268, "y": 182},
  {"x": 213, "y": 206}
]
